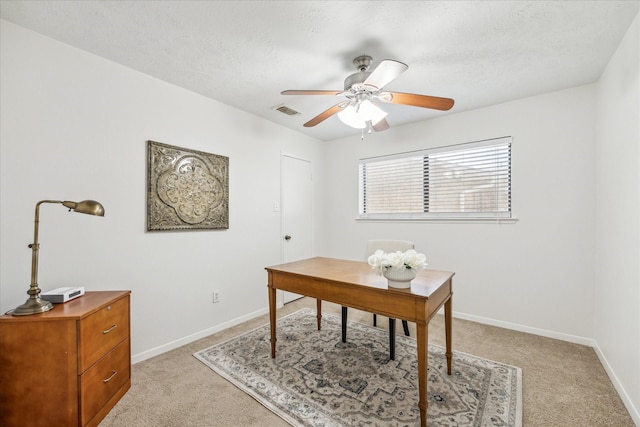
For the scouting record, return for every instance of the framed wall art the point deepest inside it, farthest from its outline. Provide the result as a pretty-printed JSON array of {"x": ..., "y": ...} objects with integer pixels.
[{"x": 186, "y": 189}]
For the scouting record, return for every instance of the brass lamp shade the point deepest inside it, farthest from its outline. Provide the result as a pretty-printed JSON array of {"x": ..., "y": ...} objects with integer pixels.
[
  {"x": 34, "y": 304},
  {"x": 90, "y": 207}
]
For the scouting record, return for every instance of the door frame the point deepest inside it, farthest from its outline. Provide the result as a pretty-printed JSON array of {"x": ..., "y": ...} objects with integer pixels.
[{"x": 280, "y": 297}]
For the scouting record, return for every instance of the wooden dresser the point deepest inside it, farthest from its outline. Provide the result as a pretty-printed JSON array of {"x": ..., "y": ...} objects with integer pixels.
[{"x": 68, "y": 366}]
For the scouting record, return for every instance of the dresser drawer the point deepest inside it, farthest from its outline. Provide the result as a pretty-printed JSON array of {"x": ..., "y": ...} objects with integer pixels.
[
  {"x": 103, "y": 380},
  {"x": 103, "y": 330}
]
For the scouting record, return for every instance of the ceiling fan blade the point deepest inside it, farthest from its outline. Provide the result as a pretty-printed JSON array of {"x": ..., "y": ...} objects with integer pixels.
[
  {"x": 423, "y": 101},
  {"x": 311, "y": 92},
  {"x": 381, "y": 125},
  {"x": 325, "y": 115},
  {"x": 384, "y": 73}
]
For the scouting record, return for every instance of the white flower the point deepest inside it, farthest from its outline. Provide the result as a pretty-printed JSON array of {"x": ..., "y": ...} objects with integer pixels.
[
  {"x": 413, "y": 259},
  {"x": 376, "y": 260},
  {"x": 397, "y": 260}
]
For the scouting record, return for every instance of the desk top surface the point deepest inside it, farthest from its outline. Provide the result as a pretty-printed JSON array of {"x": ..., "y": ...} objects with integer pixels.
[{"x": 360, "y": 273}]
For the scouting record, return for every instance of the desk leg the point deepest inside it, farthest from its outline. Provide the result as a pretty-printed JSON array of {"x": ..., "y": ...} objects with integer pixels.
[
  {"x": 392, "y": 339},
  {"x": 344, "y": 324},
  {"x": 447, "y": 329},
  {"x": 423, "y": 363},
  {"x": 319, "y": 312},
  {"x": 272, "y": 319}
]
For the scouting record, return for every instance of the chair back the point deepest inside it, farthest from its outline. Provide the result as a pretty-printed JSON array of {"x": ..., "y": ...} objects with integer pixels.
[{"x": 387, "y": 246}]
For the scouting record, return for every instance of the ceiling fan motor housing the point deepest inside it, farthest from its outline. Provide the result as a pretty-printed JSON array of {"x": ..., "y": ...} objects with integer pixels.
[{"x": 355, "y": 80}]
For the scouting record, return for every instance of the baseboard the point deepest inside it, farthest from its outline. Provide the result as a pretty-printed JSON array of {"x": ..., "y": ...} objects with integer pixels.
[
  {"x": 136, "y": 358},
  {"x": 527, "y": 329},
  {"x": 628, "y": 403}
]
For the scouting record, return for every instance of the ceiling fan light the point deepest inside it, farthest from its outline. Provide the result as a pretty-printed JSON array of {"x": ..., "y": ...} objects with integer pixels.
[
  {"x": 350, "y": 117},
  {"x": 371, "y": 112},
  {"x": 358, "y": 115}
]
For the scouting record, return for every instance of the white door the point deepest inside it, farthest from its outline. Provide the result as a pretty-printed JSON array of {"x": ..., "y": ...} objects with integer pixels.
[{"x": 296, "y": 213}]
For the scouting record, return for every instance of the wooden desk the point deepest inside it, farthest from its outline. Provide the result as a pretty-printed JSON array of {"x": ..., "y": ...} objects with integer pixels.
[{"x": 355, "y": 284}]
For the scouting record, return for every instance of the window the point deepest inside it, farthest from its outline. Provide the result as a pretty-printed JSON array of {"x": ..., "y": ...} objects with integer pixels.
[{"x": 470, "y": 180}]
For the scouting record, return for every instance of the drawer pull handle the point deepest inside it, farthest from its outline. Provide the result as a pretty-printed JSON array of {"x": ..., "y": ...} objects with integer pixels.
[
  {"x": 109, "y": 330},
  {"x": 111, "y": 377}
]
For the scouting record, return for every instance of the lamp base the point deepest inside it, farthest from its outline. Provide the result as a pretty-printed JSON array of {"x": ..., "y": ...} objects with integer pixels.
[{"x": 32, "y": 306}]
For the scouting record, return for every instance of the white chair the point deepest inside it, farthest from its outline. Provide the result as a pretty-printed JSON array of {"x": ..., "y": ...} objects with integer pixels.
[{"x": 386, "y": 246}]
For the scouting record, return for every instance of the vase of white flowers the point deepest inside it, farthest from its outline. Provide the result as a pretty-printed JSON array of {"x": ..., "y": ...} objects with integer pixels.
[{"x": 399, "y": 268}]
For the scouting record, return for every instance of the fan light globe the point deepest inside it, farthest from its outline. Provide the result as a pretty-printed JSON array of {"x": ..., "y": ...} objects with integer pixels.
[
  {"x": 357, "y": 116},
  {"x": 349, "y": 117}
]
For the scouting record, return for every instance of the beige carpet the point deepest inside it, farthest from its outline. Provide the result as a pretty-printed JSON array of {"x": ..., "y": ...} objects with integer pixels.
[{"x": 564, "y": 384}]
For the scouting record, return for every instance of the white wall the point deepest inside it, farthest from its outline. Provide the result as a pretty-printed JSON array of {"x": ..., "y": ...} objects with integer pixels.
[
  {"x": 535, "y": 274},
  {"x": 617, "y": 285},
  {"x": 74, "y": 126}
]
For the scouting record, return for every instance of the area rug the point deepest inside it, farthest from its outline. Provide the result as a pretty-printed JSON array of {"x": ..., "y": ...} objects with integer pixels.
[{"x": 316, "y": 380}]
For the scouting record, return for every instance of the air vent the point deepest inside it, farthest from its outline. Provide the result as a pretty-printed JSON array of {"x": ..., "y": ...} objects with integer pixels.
[{"x": 286, "y": 110}]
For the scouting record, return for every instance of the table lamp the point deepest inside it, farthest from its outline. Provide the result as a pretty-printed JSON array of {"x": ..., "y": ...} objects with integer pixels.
[{"x": 34, "y": 304}]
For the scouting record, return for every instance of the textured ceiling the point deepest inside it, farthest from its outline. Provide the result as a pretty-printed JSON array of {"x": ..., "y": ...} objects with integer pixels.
[{"x": 244, "y": 53}]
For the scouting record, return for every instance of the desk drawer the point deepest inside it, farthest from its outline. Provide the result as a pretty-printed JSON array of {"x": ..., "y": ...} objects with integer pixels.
[
  {"x": 103, "y": 380},
  {"x": 103, "y": 330}
]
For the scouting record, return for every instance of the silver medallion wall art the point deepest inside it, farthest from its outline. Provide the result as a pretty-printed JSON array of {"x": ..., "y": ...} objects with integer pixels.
[{"x": 186, "y": 189}]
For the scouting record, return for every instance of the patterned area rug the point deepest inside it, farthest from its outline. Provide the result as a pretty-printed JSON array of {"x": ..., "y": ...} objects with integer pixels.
[{"x": 316, "y": 380}]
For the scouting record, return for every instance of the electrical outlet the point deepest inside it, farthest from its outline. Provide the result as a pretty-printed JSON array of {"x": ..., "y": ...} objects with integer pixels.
[{"x": 216, "y": 296}]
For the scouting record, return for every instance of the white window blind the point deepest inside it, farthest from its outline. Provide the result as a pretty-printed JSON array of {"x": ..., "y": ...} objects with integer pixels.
[{"x": 470, "y": 180}]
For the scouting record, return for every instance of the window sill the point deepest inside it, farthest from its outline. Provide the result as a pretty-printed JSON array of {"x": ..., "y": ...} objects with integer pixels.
[{"x": 485, "y": 220}]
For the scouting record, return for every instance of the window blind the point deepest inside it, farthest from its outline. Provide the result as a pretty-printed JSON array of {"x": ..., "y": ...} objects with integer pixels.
[{"x": 462, "y": 181}]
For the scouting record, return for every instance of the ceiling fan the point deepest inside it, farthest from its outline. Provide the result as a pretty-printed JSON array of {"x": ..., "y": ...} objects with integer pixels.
[{"x": 363, "y": 90}]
